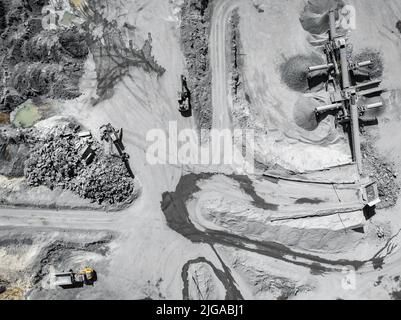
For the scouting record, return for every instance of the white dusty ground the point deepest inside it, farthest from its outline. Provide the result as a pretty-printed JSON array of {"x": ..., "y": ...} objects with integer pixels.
[{"x": 291, "y": 259}]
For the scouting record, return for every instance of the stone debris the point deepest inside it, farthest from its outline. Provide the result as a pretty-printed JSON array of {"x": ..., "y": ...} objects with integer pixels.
[
  {"x": 381, "y": 171},
  {"x": 57, "y": 161},
  {"x": 13, "y": 152}
]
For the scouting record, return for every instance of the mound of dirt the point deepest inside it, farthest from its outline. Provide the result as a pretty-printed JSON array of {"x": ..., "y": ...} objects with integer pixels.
[
  {"x": 304, "y": 115},
  {"x": 315, "y": 17},
  {"x": 294, "y": 71}
]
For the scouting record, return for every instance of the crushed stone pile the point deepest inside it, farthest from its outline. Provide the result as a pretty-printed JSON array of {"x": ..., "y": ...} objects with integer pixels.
[
  {"x": 106, "y": 179},
  {"x": 54, "y": 161}
]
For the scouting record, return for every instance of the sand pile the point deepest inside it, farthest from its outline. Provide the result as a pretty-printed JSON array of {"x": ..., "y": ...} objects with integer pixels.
[
  {"x": 294, "y": 71},
  {"x": 304, "y": 115}
]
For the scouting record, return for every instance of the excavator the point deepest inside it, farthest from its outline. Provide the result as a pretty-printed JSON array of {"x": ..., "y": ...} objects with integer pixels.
[
  {"x": 115, "y": 137},
  {"x": 71, "y": 279},
  {"x": 184, "y": 98}
]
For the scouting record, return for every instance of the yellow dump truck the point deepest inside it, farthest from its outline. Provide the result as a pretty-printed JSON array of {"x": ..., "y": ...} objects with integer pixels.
[{"x": 71, "y": 279}]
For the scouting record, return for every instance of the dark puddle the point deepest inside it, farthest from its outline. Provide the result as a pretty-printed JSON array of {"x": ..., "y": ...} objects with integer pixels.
[
  {"x": 398, "y": 26},
  {"x": 232, "y": 292},
  {"x": 247, "y": 186},
  {"x": 309, "y": 201},
  {"x": 174, "y": 208}
]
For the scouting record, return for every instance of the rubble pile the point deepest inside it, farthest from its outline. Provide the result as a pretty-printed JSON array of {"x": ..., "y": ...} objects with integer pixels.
[
  {"x": 55, "y": 162},
  {"x": 37, "y": 62},
  {"x": 105, "y": 179},
  {"x": 383, "y": 173},
  {"x": 195, "y": 30}
]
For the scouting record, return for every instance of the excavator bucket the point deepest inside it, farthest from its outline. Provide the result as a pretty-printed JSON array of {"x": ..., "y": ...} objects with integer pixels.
[
  {"x": 371, "y": 195},
  {"x": 64, "y": 279}
]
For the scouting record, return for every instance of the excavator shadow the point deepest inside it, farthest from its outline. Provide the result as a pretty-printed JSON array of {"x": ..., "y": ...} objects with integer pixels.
[
  {"x": 186, "y": 113},
  {"x": 369, "y": 212},
  {"x": 317, "y": 79}
]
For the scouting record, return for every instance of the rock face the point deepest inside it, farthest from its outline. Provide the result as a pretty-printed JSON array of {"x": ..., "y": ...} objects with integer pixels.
[
  {"x": 114, "y": 53},
  {"x": 13, "y": 152},
  {"x": 195, "y": 31},
  {"x": 37, "y": 62}
]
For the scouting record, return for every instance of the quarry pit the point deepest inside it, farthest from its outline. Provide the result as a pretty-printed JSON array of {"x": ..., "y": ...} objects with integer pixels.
[{"x": 83, "y": 83}]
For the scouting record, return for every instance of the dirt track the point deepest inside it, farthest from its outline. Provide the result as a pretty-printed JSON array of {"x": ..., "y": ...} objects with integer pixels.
[
  {"x": 218, "y": 48},
  {"x": 29, "y": 218}
]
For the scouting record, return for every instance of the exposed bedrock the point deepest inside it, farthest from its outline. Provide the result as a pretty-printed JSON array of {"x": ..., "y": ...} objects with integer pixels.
[
  {"x": 13, "y": 152},
  {"x": 37, "y": 62},
  {"x": 195, "y": 31}
]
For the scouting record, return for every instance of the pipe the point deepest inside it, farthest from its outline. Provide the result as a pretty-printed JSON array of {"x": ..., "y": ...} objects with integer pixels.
[
  {"x": 364, "y": 63},
  {"x": 371, "y": 91},
  {"x": 344, "y": 65},
  {"x": 356, "y": 139},
  {"x": 328, "y": 107},
  {"x": 374, "y": 105},
  {"x": 368, "y": 84},
  {"x": 320, "y": 67}
]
